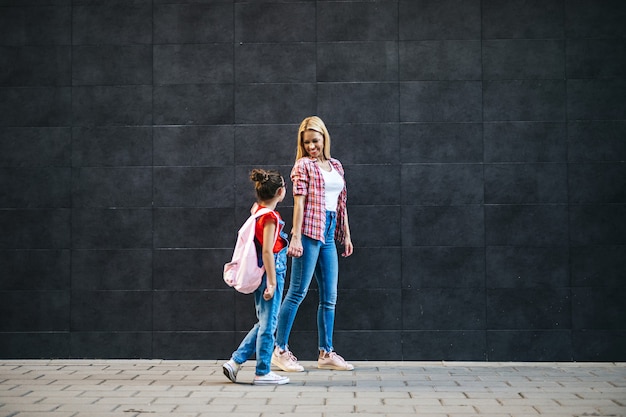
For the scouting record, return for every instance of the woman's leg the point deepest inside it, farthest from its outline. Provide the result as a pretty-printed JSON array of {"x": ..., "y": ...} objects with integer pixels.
[
  {"x": 302, "y": 269},
  {"x": 327, "y": 274}
]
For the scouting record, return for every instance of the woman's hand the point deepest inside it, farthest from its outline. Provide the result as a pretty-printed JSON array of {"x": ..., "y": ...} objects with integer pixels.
[
  {"x": 347, "y": 248},
  {"x": 269, "y": 292},
  {"x": 295, "y": 247}
]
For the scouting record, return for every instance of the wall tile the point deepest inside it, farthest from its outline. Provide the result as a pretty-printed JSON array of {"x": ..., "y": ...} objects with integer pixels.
[
  {"x": 526, "y": 225},
  {"x": 112, "y": 65},
  {"x": 432, "y": 19},
  {"x": 368, "y": 318},
  {"x": 193, "y": 145},
  {"x": 273, "y": 22},
  {"x": 112, "y": 187},
  {"x": 528, "y": 309},
  {"x": 362, "y": 21},
  {"x": 440, "y": 101},
  {"x": 35, "y": 229},
  {"x": 443, "y": 226},
  {"x": 535, "y": 19},
  {"x": 193, "y": 345},
  {"x": 193, "y": 23},
  {"x": 191, "y": 311},
  {"x": 368, "y": 230},
  {"x": 443, "y": 308},
  {"x": 96, "y": 311},
  {"x": 441, "y": 142},
  {"x": 595, "y": 19},
  {"x": 595, "y": 58},
  {"x": 524, "y": 100},
  {"x": 597, "y": 183},
  {"x": 45, "y": 25},
  {"x": 252, "y": 105},
  {"x": 374, "y": 184},
  {"x": 29, "y": 311},
  {"x": 365, "y": 143},
  {"x": 358, "y": 102},
  {"x": 596, "y": 99},
  {"x": 34, "y": 107},
  {"x": 275, "y": 62},
  {"x": 596, "y": 141},
  {"x": 193, "y": 104},
  {"x": 382, "y": 345},
  {"x": 597, "y": 266},
  {"x": 442, "y": 184},
  {"x": 111, "y": 345},
  {"x": 443, "y": 267},
  {"x": 35, "y": 269},
  {"x": 35, "y": 187},
  {"x": 520, "y": 345},
  {"x": 525, "y": 142},
  {"x": 597, "y": 224},
  {"x": 357, "y": 61},
  {"x": 527, "y": 267},
  {"x": 190, "y": 269},
  {"x": 112, "y": 269},
  {"x": 193, "y": 64},
  {"x": 598, "y": 308},
  {"x": 35, "y": 65},
  {"x": 108, "y": 146},
  {"x": 523, "y": 59},
  {"x": 440, "y": 60},
  {"x": 17, "y": 144},
  {"x": 371, "y": 268},
  {"x": 193, "y": 187},
  {"x": 94, "y": 228},
  {"x": 437, "y": 345},
  {"x": 112, "y": 24},
  {"x": 34, "y": 345},
  {"x": 279, "y": 139},
  {"x": 193, "y": 227},
  {"x": 112, "y": 105},
  {"x": 598, "y": 345},
  {"x": 525, "y": 183}
]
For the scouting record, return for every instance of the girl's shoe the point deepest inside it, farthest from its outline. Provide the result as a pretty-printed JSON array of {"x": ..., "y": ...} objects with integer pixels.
[
  {"x": 330, "y": 360},
  {"x": 230, "y": 369},
  {"x": 286, "y": 361},
  {"x": 270, "y": 379}
]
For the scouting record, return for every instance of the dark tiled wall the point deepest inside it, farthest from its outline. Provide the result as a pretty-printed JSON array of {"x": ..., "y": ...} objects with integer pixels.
[{"x": 484, "y": 145}]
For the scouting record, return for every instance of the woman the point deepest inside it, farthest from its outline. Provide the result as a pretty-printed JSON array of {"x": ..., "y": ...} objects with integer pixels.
[{"x": 319, "y": 217}]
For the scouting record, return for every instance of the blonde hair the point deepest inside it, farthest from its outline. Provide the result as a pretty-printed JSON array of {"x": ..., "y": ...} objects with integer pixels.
[{"x": 316, "y": 124}]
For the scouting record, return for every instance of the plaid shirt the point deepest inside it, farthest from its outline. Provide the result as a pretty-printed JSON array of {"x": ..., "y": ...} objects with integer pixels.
[{"x": 308, "y": 181}]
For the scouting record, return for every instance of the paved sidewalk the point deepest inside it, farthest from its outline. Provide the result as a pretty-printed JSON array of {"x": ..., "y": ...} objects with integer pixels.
[{"x": 151, "y": 388}]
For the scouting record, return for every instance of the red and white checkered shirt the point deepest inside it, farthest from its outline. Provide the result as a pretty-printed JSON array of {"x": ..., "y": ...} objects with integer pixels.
[{"x": 308, "y": 181}]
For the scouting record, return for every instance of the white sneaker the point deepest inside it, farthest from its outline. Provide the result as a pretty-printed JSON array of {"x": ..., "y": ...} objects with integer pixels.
[
  {"x": 286, "y": 361},
  {"x": 270, "y": 379},
  {"x": 230, "y": 369}
]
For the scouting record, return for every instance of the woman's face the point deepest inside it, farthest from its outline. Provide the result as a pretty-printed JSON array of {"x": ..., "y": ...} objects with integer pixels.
[{"x": 313, "y": 143}]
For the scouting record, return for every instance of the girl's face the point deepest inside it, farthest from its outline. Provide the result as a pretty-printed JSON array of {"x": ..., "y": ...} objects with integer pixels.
[{"x": 313, "y": 143}]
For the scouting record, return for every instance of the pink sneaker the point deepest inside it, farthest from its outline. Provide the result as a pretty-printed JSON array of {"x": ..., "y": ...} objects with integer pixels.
[
  {"x": 286, "y": 361},
  {"x": 330, "y": 360}
]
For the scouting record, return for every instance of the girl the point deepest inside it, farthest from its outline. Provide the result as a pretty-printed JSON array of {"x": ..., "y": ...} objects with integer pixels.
[
  {"x": 270, "y": 190},
  {"x": 319, "y": 217}
]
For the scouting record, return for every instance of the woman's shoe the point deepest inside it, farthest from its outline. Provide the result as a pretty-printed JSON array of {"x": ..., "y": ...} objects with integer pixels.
[{"x": 330, "y": 360}]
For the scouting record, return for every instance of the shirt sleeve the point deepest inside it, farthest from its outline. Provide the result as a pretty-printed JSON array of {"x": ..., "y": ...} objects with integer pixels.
[{"x": 300, "y": 178}]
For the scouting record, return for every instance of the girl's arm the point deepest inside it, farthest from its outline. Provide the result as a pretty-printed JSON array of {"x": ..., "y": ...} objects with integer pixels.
[
  {"x": 295, "y": 245},
  {"x": 269, "y": 232}
]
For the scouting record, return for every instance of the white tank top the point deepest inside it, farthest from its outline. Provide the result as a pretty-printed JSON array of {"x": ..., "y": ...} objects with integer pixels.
[{"x": 333, "y": 183}]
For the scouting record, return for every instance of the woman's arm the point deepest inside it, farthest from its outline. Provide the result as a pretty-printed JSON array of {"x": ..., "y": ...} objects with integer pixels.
[
  {"x": 348, "y": 249},
  {"x": 269, "y": 232},
  {"x": 295, "y": 245}
]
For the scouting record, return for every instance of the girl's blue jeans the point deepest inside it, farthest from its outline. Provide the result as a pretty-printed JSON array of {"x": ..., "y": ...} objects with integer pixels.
[
  {"x": 260, "y": 339},
  {"x": 320, "y": 260}
]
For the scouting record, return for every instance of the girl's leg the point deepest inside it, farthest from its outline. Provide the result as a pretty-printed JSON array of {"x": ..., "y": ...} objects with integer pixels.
[
  {"x": 327, "y": 274},
  {"x": 302, "y": 269}
]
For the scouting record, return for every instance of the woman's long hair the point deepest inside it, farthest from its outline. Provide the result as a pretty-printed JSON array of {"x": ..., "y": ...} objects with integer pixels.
[{"x": 316, "y": 124}]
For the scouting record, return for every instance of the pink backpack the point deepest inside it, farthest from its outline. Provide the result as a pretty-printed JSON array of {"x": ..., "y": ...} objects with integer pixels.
[{"x": 243, "y": 272}]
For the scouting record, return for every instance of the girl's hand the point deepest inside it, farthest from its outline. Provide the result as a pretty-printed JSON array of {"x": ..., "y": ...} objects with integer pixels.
[
  {"x": 295, "y": 248},
  {"x": 269, "y": 292}
]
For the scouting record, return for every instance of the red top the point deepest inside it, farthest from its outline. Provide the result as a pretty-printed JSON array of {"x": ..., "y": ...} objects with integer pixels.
[{"x": 260, "y": 224}]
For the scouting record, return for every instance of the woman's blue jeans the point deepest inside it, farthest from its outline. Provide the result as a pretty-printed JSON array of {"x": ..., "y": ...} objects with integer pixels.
[
  {"x": 320, "y": 260},
  {"x": 260, "y": 339}
]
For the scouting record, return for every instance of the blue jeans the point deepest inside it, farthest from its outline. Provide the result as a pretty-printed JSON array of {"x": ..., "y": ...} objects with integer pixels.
[
  {"x": 260, "y": 339},
  {"x": 320, "y": 260}
]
